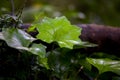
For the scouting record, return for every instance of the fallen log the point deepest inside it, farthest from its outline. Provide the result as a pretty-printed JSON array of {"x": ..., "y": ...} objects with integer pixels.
[{"x": 106, "y": 37}]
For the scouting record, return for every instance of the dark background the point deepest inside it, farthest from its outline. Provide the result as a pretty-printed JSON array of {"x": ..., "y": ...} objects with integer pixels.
[{"x": 105, "y": 12}]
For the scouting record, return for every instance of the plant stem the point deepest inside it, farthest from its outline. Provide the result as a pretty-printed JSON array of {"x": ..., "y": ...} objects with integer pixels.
[
  {"x": 13, "y": 7},
  {"x": 96, "y": 77}
]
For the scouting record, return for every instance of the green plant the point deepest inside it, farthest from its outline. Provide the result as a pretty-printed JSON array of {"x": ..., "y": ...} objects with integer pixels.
[{"x": 54, "y": 53}]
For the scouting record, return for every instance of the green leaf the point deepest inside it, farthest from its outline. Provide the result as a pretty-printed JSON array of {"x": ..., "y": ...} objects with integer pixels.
[
  {"x": 43, "y": 62},
  {"x": 84, "y": 45},
  {"x": 85, "y": 64},
  {"x": 59, "y": 30},
  {"x": 20, "y": 40},
  {"x": 104, "y": 65},
  {"x": 16, "y": 38},
  {"x": 39, "y": 49}
]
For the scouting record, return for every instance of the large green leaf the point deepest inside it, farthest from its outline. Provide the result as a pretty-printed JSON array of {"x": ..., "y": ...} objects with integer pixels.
[
  {"x": 20, "y": 40},
  {"x": 104, "y": 65},
  {"x": 16, "y": 38},
  {"x": 59, "y": 30}
]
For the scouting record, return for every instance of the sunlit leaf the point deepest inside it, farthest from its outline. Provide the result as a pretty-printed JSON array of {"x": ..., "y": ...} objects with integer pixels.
[
  {"x": 59, "y": 30},
  {"x": 43, "y": 62},
  {"x": 104, "y": 65}
]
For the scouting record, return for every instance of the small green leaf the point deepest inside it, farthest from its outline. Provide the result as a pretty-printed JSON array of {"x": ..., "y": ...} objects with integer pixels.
[
  {"x": 84, "y": 45},
  {"x": 85, "y": 64},
  {"x": 31, "y": 28},
  {"x": 104, "y": 65},
  {"x": 43, "y": 62},
  {"x": 59, "y": 30},
  {"x": 39, "y": 49}
]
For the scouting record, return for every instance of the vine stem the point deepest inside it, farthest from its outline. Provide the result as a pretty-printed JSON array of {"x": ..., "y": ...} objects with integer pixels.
[
  {"x": 96, "y": 77},
  {"x": 13, "y": 7}
]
